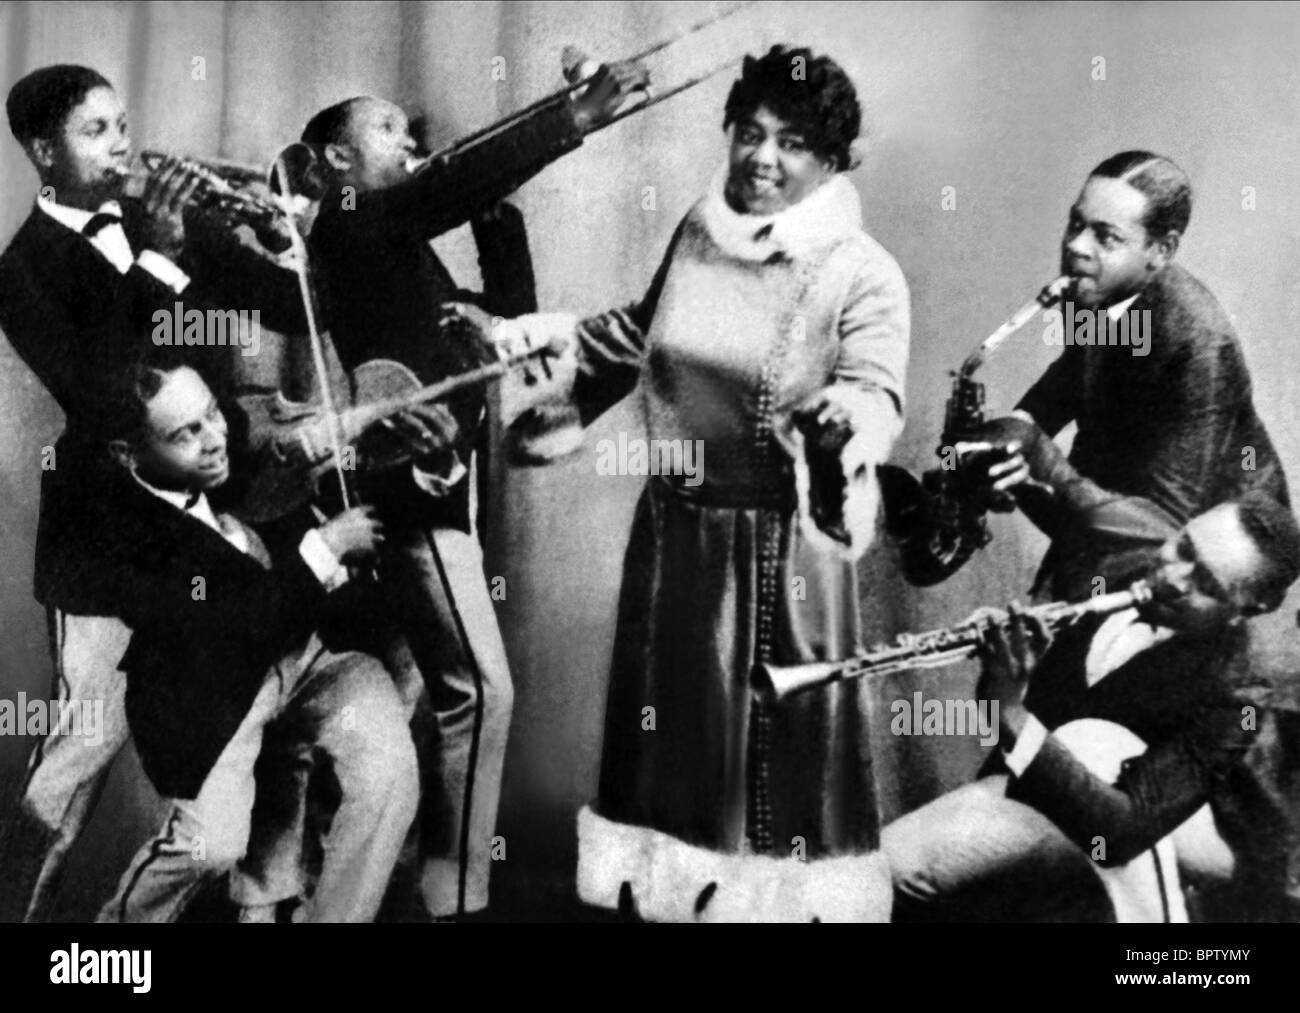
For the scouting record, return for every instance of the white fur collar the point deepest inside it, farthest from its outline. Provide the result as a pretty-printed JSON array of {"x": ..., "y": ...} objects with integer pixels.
[{"x": 831, "y": 212}]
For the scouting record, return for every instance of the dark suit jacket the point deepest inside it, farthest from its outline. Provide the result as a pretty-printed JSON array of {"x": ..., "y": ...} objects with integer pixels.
[
  {"x": 75, "y": 320},
  {"x": 1203, "y": 711},
  {"x": 195, "y": 664},
  {"x": 382, "y": 285},
  {"x": 1169, "y": 426}
]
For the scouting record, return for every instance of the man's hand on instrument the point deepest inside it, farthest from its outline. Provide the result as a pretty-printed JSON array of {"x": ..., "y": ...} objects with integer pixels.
[
  {"x": 463, "y": 313},
  {"x": 166, "y": 195},
  {"x": 427, "y": 430},
  {"x": 475, "y": 328},
  {"x": 1006, "y": 454},
  {"x": 355, "y": 535},
  {"x": 612, "y": 87},
  {"x": 272, "y": 232},
  {"x": 506, "y": 338},
  {"x": 1010, "y": 656}
]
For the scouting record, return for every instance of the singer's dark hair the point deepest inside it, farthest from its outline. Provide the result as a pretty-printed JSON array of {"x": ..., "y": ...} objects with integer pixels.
[
  {"x": 810, "y": 92},
  {"x": 1273, "y": 529},
  {"x": 38, "y": 104},
  {"x": 1166, "y": 187}
]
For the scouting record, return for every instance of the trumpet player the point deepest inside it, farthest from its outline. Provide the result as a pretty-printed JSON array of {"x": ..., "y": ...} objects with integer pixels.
[
  {"x": 79, "y": 286},
  {"x": 1177, "y": 673}
]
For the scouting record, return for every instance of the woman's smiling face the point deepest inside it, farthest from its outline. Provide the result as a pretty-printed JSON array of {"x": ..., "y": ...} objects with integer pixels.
[{"x": 771, "y": 165}]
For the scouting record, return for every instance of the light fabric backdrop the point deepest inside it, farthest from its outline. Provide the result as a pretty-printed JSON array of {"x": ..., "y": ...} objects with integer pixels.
[{"x": 1006, "y": 103}]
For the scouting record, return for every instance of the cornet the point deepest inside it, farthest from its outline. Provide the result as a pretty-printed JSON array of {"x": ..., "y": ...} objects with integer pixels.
[
  {"x": 936, "y": 648},
  {"x": 221, "y": 186}
]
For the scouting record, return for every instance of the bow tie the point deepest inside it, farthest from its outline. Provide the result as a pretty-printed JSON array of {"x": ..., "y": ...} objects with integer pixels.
[
  {"x": 98, "y": 222},
  {"x": 193, "y": 501}
]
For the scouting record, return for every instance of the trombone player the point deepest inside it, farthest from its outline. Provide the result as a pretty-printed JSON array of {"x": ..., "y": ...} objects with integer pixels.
[
  {"x": 385, "y": 294},
  {"x": 79, "y": 285}
]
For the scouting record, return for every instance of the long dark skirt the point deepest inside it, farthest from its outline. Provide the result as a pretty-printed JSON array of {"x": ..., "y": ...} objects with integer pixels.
[{"x": 707, "y": 590}]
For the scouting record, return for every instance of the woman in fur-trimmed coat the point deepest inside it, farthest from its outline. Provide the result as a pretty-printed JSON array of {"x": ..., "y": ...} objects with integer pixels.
[{"x": 771, "y": 307}]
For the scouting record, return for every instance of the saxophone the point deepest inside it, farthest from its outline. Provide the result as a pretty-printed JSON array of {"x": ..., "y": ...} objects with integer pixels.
[
  {"x": 947, "y": 525},
  {"x": 936, "y": 648}
]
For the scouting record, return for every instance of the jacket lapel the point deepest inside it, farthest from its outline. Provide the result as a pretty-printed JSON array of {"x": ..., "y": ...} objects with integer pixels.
[
  {"x": 172, "y": 537},
  {"x": 68, "y": 255}
]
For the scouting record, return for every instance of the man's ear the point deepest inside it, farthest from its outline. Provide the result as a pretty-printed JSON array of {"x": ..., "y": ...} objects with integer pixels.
[
  {"x": 41, "y": 152},
  {"x": 1162, "y": 250},
  {"x": 121, "y": 452},
  {"x": 339, "y": 156}
]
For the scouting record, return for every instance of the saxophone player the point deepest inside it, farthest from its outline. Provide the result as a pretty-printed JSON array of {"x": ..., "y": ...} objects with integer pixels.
[
  {"x": 1203, "y": 445},
  {"x": 1181, "y": 679}
]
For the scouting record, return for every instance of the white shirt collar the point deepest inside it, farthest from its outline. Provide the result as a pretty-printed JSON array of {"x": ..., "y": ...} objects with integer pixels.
[
  {"x": 177, "y": 499},
  {"x": 1120, "y": 308},
  {"x": 75, "y": 218},
  {"x": 201, "y": 510},
  {"x": 1120, "y": 638}
]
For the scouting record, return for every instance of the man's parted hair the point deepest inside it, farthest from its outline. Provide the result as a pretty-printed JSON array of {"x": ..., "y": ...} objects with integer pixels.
[
  {"x": 1273, "y": 529},
  {"x": 130, "y": 389},
  {"x": 39, "y": 104},
  {"x": 1165, "y": 186},
  {"x": 812, "y": 93}
]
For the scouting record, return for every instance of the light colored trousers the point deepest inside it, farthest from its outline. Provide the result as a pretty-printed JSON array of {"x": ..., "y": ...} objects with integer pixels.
[
  {"x": 344, "y": 705},
  {"x": 450, "y": 627},
  {"x": 66, "y": 775},
  {"x": 974, "y": 853}
]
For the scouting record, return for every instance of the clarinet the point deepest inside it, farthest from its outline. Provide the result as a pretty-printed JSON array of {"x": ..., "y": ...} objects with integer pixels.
[
  {"x": 936, "y": 648},
  {"x": 953, "y": 526}
]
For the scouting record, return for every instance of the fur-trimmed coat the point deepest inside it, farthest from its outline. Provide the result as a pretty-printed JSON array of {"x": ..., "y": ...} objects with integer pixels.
[{"x": 746, "y": 318}]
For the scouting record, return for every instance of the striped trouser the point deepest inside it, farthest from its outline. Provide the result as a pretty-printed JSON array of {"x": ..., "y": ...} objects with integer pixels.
[
  {"x": 449, "y": 623},
  {"x": 343, "y": 705},
  {"x": 65, "y": 772}
]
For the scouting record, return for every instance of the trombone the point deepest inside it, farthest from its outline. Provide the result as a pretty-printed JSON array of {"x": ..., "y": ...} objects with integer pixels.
[
  {"x": 223, "y": 183},
  {"x": 418, "y": 165}
]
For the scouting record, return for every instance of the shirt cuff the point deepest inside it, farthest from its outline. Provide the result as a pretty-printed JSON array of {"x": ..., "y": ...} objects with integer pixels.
[
  {"x": 164, "y": 270},
  {"x": 439, "y": 485},
  {"x": 1028, "y": 743},
  {"x": 321, "y": 560},
  {"x": 531, "y": 331}
]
